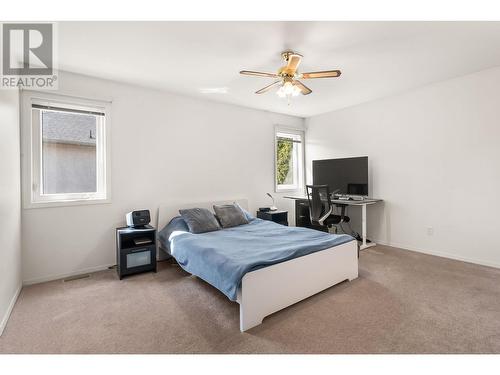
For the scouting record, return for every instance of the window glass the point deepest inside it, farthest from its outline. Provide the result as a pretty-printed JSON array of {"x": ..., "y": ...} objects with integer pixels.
[{"x": 68, "y": 152}]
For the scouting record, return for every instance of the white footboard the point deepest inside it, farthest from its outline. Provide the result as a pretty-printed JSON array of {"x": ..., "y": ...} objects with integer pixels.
[{"x": 273, "y": 288}]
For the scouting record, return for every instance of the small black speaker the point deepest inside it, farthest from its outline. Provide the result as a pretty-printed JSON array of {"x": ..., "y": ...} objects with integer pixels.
[{"x": 138, "y": 218}]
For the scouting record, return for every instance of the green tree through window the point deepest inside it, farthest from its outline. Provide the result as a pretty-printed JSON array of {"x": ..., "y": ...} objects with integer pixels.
[{"x": 284, "y": 151}]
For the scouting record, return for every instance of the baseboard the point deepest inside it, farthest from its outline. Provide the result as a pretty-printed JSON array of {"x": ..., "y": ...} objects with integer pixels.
[
  {"x": 38, "y": 280},
  {"x": 441, "y": 254},
  {"x": 6, "y": 316}
]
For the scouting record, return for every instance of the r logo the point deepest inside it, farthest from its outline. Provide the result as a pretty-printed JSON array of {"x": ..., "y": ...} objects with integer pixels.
[{"x": 27, "y": 49}]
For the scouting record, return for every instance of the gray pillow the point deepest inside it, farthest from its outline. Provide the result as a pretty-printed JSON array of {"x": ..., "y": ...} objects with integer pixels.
[
  {"x": 230, "y": 215},
  {"x": 248, "y": 215},
  {"x": 200, "y": 220},
  {"x": 177, "y": 224}
]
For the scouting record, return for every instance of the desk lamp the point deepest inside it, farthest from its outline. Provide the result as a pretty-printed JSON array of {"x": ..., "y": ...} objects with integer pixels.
[{"x": 273, "y": 207}]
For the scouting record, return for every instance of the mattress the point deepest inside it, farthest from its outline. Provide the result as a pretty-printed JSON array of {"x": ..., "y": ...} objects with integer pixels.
[{"x": 223, "y": 257}]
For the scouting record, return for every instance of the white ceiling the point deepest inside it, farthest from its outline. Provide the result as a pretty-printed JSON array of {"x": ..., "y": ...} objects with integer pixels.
[{"x": 377, "y": 59}]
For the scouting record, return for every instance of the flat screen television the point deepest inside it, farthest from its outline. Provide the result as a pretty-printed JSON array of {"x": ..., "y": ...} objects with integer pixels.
[{"x": 343, "y": 176}]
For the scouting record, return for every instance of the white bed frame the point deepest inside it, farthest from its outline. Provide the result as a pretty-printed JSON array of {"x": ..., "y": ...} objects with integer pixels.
[{"x": 275, "y": 287}]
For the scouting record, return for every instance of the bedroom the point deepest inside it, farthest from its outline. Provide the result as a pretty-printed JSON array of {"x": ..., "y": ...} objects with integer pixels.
[{"x": 171, "y": 124}]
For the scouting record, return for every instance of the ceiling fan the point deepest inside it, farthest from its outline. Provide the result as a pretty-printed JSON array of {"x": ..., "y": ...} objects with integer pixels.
[{"x": 288, "y": 77}]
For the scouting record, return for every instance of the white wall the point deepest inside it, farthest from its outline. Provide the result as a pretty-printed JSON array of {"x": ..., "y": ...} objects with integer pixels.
[
  {"x": 10, "y": 204},
  {"x": 165, "y": 148},
  {"x": 434, "y": 156}
]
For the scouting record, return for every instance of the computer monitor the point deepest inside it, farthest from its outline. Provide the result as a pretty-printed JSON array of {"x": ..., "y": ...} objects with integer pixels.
[{"x": 343, "y": 176}]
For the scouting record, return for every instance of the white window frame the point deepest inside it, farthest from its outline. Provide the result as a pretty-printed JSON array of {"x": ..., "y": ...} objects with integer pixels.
[
  {"x": 300, "y": 159},
  {"x": 31, "y": 156}
]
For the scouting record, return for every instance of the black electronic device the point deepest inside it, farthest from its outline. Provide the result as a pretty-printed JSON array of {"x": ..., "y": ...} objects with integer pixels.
[
  {"x": 346, "y": 176},
  {"x": 138, "y": 218}
]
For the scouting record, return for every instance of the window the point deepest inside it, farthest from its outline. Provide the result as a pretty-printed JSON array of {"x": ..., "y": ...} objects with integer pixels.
[
  {"x": 289, "y": 159},
  {"x": 67, "y": 151}
]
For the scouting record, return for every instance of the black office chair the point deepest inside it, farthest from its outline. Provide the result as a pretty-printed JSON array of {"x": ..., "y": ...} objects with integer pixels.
[{"x": 321, "y": 207}]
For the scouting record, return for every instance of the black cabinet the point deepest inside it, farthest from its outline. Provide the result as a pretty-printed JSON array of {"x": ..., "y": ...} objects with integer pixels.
[
  {"x": 135, "y": 250},
  {"x": 280, "y": 217},
  {"x": 303, "y": 218}
]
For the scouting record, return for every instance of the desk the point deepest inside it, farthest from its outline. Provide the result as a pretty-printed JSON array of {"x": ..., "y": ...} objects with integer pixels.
[{"x": 302, "y": 220}]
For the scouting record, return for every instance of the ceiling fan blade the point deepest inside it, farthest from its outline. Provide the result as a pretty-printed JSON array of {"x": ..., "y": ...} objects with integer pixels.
[
  {"x": 293, "y": 63},
  {"x": 303, "y": 88},
  {"x": 258, "y": 74},
  {"x": 323, "y": 74},
  {"x": 268, "y": 87}
]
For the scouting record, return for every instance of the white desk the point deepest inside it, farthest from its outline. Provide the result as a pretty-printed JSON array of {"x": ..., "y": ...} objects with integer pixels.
[{"x": 363, "y": 204}]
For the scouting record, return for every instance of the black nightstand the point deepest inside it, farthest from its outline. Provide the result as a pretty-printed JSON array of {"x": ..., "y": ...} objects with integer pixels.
[
  {"x": 280, "y": 217},
  {"x": 135, "y": 250}
]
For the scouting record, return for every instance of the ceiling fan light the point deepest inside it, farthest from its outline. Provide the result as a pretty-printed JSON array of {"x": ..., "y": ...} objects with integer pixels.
[
  {"x": 287, "y": 90},
  {"x": 287, "y": 77},
  {"x": 281, "y": 92}
]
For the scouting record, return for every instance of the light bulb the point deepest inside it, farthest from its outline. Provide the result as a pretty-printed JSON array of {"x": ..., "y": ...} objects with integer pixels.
[
  {"x": 281, "y": 92},
  {"x": 287, "y": 90}
]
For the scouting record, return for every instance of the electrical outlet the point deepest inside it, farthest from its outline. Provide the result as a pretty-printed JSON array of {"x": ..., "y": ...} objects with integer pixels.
[{"x": 430, "y": 231}]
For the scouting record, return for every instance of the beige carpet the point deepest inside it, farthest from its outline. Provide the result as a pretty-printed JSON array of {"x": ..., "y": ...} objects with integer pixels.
[{"x": 403, "y": 302}]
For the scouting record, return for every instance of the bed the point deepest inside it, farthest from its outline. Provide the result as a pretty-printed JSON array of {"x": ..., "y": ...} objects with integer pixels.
[{"x": 271, "y": 266}]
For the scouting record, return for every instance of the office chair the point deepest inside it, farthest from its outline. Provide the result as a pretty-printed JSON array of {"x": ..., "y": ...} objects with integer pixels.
[{"x": 321, "y": 207}]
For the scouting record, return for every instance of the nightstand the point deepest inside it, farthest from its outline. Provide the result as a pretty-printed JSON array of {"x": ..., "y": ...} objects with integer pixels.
[
  {"x": 135, "y": 250},
  {"x": 280, "y": 217}
]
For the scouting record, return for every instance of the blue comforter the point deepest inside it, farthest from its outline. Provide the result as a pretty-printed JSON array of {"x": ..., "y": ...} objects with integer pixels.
[{"x": 223, "y": 257}]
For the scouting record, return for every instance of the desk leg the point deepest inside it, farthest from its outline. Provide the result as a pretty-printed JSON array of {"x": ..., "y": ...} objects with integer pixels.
[{"x": 364, "y": 245}]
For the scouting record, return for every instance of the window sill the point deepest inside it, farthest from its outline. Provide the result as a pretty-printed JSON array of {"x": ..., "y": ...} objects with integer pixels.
[{"x": 66, "y": 203}]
